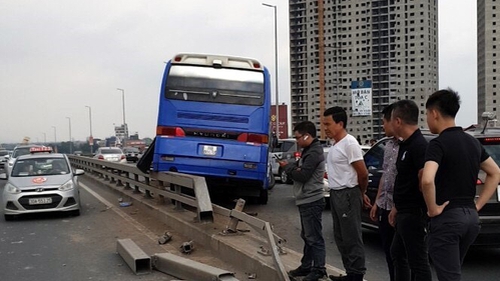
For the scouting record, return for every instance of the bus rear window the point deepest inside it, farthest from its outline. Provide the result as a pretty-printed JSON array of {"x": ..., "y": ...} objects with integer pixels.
[{"x": 216, "y": 85}]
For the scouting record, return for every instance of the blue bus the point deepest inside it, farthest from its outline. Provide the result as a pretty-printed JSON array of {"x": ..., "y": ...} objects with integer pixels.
[{"x": 214, "y": 121}]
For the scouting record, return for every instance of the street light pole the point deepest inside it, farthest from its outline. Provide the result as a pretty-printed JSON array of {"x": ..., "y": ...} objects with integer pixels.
[
  {"x": 276, "y": 65},
  {"x": 55, "y": 135},
  {"x": 70, "y": 142},
  {"x": 91, "y": 139},
  {"x": 44, "y": 138},
  {"x": 123, "y": 103}
]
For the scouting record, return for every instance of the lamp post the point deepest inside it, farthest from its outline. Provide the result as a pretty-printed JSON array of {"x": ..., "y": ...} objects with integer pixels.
[
  {"x": 55, "y": 135},
  {"x": 44, "y": 138},
  {"x": 70, "y": 142},
  {"x": 275, "y": 64},
  {"x": 123, "y": 103},
  {"x": 91, "y": 139}
]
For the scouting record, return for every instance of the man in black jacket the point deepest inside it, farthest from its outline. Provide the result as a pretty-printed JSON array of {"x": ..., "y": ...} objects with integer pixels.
[{"x": 307, "y": 174}]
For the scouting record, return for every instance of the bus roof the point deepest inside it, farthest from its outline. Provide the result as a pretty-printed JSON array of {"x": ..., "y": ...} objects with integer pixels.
[{"x": 217, "y": 61}]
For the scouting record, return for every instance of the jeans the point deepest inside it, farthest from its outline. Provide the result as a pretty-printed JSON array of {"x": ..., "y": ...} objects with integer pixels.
[
  {"x": 386, "y": 232},
  {"x": 346, "y": 205},
  {"x": 450, "y": 236},
  {"x": 312, "y": 233},
  {"x": 409, "y": 248}
]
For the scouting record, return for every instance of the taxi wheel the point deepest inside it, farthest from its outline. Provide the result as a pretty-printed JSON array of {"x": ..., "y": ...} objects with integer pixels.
[{"x": 8, "y": 217}]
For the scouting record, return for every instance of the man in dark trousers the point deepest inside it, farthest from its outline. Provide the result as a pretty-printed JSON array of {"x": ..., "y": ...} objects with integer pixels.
[
  {"x": 409, "y": 214},
  {"x": 384, "y": 202},
  {"x": 453, "y": 161},
  {"x": 307, "y": 174},
  {"x": 348, "y": 181}
]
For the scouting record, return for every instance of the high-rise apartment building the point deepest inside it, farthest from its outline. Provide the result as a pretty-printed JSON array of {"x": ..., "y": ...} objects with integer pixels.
[
  {"x": 392, "y": 43},
  {"x": 488, "y": 64}
]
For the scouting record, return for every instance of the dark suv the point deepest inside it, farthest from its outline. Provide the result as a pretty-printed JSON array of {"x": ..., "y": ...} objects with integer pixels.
[{"x": 489, "y": 215}]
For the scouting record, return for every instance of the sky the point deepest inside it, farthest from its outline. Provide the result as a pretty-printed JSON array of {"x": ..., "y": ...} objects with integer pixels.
[{"x": 60, "y": 57}]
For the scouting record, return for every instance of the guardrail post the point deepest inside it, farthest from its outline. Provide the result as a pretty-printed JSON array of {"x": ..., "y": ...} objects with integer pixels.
[
  {"x": 178, "y": 205},
  {"x": 161, "y": 198},
  {"x": 233, "y": 222},
  {"x": 127, "y": 184},
  {"x": 119, "y": 181}
]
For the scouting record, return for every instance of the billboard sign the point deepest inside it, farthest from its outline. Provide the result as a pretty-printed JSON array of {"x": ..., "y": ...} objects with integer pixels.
[
  {"x": 361, "y": 94},
  {"x": 283, "y": 120}
]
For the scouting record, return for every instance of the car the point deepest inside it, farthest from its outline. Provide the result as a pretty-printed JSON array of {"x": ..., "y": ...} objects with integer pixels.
[
  {"x": 41, "y": 181},
  {"x": 18, "y": 151},
  {"x": 111, "y": 154},
  {"x": 4, "y": 156},
  {"x": 286, "y": 149},
  {"x": 78, "y": 153},
  {"x": 489, "y": 215},
  {"x": 132, "y": 154},
  {"x": 365, "y": 148}
]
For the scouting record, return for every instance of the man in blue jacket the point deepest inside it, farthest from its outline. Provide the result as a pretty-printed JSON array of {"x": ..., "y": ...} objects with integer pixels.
[{"x": 307, "y": 174}]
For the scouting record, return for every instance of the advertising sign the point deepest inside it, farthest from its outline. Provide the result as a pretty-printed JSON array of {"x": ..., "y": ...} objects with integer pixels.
[
  {"x": 283, "y": 120},
  {"x": 361, "y": 93}
]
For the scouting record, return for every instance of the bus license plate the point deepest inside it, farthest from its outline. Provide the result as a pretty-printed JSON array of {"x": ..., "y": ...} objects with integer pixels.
[
  {"x": 209, "y": 150},
  {"x": 38, "y": 201}
]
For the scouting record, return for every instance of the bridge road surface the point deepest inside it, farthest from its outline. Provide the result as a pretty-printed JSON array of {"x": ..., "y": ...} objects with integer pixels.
[{"x": 61, "y": 247}]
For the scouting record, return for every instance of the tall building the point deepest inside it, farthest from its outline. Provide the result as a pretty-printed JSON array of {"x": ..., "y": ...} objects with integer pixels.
[
  {"x": 392, "y": 43},
  {"x": 488, "y": 33}
]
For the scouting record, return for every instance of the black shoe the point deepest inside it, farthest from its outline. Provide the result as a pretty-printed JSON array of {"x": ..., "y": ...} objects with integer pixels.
[
  {"x": 299, "y": 271},
  {"x": 339, "y": 278},
  {"x": 315, "y": 275}
]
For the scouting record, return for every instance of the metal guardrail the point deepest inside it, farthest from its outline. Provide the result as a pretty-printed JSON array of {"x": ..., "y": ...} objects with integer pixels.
[{"x": 169, "y": 185}]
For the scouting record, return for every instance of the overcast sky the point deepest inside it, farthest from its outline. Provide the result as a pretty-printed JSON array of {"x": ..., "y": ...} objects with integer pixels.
[{"x": 58, "y": 56}]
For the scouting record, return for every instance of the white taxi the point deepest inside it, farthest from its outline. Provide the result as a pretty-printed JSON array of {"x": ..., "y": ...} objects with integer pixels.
[{"x": 41, "y": 181}]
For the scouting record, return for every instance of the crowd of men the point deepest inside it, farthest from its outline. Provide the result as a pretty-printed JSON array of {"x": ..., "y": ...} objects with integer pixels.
[{"x": 425, "y": 205}]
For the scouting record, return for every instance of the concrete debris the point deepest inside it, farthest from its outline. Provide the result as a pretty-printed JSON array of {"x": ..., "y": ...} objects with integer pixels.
[
  {"x": 165, "y": 238},
  {"x": 251, "y": 275},
  {"x": 187, "y": 247}
]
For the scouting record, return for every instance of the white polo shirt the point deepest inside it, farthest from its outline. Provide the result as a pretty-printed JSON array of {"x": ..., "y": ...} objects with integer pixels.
[{"x": 341, "y": 174}]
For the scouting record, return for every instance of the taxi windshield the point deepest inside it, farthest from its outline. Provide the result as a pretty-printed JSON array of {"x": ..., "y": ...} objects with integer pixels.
[{"x": 40, "y": 167}]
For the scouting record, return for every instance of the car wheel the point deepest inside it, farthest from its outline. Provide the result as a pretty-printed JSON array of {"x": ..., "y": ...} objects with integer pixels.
[
  {"x": 271, "y": 180},
  {"x": 8, "y": 217},
  {"x": 264, "y": 196},
  {"x": 285, "y": 178}
]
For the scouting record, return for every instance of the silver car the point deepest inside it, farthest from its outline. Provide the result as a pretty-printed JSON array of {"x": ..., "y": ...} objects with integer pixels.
[
  {"x": 18, "y": 151},
  {"x": 112, "y": 154},
  {"x": 41, "y": 182}
]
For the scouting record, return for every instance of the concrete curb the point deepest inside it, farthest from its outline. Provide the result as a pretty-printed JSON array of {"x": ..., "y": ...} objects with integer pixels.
[{"x": 240, "y": 249}]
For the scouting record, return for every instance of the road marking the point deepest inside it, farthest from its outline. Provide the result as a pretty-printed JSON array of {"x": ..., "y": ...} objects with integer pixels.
[{"x": 125, "y": 216}]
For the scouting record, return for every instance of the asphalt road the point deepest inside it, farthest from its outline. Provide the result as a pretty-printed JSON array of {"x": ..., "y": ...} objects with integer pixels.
[{"x": 61, "y": 247}]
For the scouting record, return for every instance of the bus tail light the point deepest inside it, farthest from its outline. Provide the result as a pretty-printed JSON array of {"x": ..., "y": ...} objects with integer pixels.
[
  {"x": 170, "y": 131},
  {"x": 255, "y": 138}
]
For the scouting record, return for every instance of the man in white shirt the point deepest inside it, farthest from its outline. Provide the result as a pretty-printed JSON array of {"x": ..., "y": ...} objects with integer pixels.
[{"x": 347, "y": 180}]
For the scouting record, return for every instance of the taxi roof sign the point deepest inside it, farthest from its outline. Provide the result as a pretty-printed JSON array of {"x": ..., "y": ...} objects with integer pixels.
[{"x": 41, "y": 149}]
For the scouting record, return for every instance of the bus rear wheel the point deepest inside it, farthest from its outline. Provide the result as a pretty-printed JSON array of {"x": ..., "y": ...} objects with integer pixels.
[{"x": 264, "y": 196}]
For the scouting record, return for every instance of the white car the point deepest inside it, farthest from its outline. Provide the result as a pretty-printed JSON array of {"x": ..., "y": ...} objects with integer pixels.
[
  {"x": 111, "y": 154},
  {"x": 18, "y": 151}
]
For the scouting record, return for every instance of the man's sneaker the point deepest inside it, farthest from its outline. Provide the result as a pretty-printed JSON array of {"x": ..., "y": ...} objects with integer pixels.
[
  {"x": 299, "y": 271},
  {"x": 315, "y": 275}
]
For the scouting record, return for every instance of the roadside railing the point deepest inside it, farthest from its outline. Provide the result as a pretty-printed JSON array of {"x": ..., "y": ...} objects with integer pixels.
[{"x": 168, "y": 186}]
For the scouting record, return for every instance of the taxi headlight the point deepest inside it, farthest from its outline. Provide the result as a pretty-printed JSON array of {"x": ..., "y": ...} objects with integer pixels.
[
  {"x": 10, "y": 188},
  {"x": 67, "y": 186}
]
